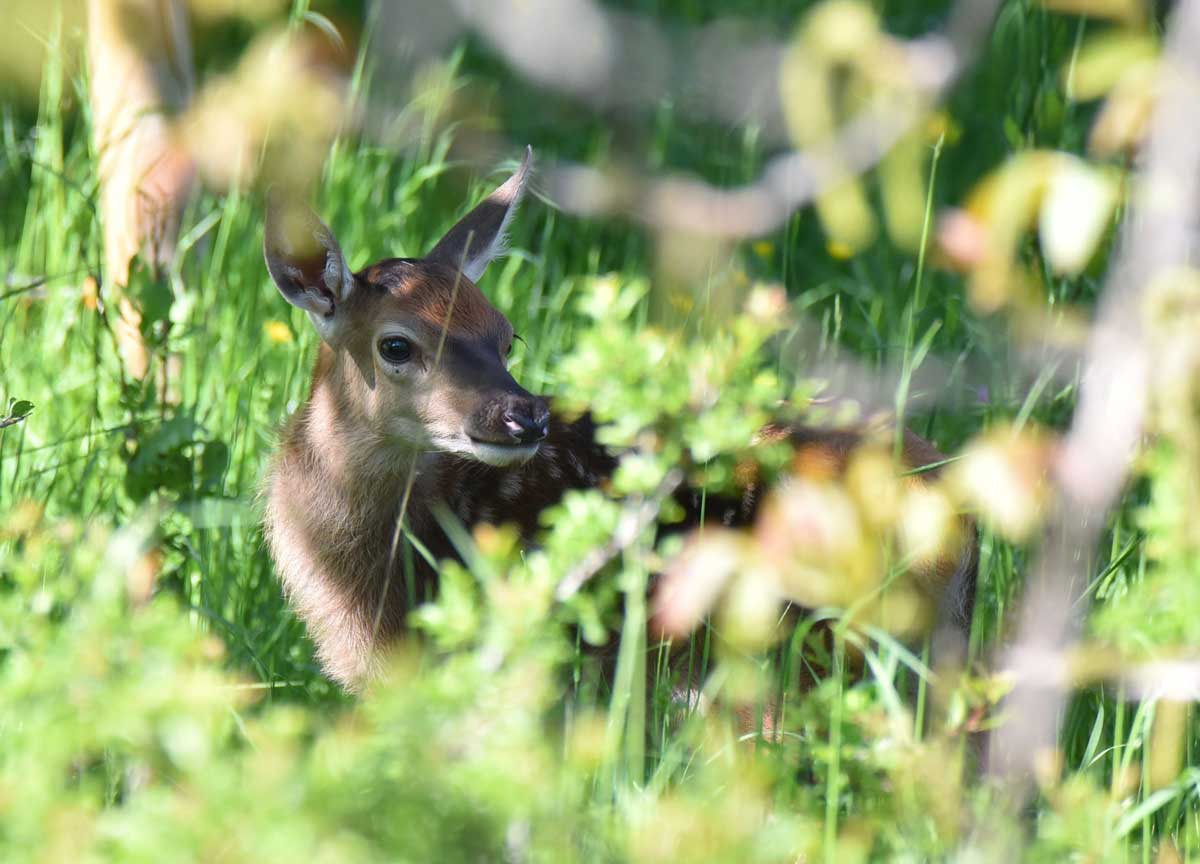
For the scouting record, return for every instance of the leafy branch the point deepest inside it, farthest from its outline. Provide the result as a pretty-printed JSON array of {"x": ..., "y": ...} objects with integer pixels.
[{"x": 18, "y": 410}]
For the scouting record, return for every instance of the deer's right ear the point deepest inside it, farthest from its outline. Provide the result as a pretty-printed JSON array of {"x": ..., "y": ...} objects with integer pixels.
[
  {"x": 306, "y": 262},
  {"x": 480, "y": 235}
]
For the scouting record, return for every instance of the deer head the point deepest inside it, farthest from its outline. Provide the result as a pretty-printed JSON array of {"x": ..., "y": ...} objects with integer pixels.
[{"x": 413, "y": 355}]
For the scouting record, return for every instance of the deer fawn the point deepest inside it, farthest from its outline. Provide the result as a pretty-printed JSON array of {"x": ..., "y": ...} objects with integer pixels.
[{"x": 412, "y": 408}]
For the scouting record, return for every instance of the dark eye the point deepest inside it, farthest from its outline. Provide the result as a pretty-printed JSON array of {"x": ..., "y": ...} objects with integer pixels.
[
  {"x": 508, "y": 350},
  {"x": 395, "y": 350}
]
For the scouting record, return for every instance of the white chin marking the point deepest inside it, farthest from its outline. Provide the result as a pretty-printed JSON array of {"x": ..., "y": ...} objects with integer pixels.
[{"x": 491, "y": 454}]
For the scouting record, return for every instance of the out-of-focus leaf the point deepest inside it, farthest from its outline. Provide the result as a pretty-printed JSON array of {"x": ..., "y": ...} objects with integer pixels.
[
  {"x": 1104, "y": 60},
  {"x": 1002, "y": 476},
  {"x": 846, "y": 216},
  {"x": 1121, "y": 10},
  {"x": 903, "y": 177},
  {"x": 695, "y": 579},
  {"x": 1077, "y": 208},
  {"x": 1125, "y": 117},
  {"x": 277, "y": 112},
  {"x": 1004, "y": 206},
  {"x": 927, "y": 525}
]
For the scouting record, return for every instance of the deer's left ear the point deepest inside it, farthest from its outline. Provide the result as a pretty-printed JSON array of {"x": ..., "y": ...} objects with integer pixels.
[
  {"x": 480, "y": 235},
  {"x": 306, "y": 262}
]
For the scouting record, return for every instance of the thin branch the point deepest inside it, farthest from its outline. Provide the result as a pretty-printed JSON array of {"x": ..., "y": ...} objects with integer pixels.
[
  {"x": 1176, "y": 680},
  {"x": 1095, "y": 460},
  {"x": 727, "y": 72},
  {"x": 791, "y": 179},
  {"x": 639, "y": 514}
]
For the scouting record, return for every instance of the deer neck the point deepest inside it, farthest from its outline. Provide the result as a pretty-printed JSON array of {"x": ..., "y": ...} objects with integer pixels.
[
  {"x": 365, "y": 475},
  {"x": 332, "y": 518}
]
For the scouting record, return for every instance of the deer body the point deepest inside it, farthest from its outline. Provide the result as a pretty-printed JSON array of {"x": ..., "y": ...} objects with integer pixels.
[
  {"x": 332, "y": 523},
  {"x": 412, "y": 410}
]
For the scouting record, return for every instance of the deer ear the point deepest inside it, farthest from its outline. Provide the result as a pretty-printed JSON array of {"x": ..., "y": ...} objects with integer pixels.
[
  {"x": 305, "y": 261},
  {"x": 480, "y": 235}
]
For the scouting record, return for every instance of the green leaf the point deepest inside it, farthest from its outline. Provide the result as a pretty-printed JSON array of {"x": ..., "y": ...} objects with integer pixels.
[
  {"x": 213, "y": 464},
  {"x": 153, "y": 294},
  {"x": 1150, "y": 805}
]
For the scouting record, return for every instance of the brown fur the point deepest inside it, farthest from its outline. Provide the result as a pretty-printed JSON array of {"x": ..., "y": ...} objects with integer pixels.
[{"x": 435, "y": 294}]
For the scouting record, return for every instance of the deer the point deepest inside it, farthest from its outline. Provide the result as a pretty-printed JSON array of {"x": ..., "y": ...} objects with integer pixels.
[{"x": 412, "y": 413}]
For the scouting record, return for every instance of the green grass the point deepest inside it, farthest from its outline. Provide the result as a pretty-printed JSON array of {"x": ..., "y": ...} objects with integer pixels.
[{"x": 120, "y": 721}]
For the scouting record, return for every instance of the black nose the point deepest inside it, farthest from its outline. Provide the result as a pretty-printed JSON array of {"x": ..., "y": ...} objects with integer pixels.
[{"x": 528, "y": 424}]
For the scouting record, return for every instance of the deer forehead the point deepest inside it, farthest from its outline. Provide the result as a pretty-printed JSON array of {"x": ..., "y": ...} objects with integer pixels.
[{"x": 435, "y": 295}]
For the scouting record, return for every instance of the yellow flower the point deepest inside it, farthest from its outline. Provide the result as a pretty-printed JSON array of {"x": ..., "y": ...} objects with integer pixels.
[
  {"x": 277, "y": 332},
  {"x": 942, "y": 125},
  {"x": 839, "y": 249},
  {"x": 91, "y": 293}
]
